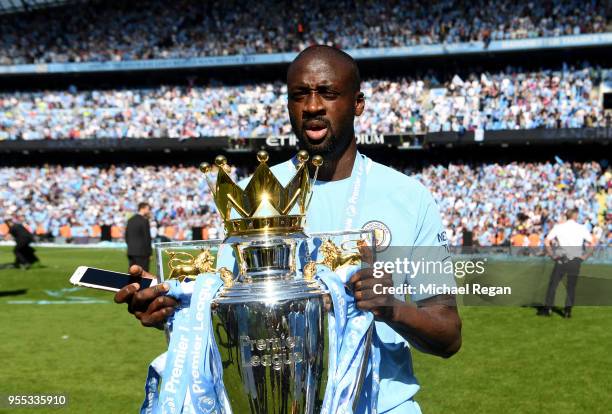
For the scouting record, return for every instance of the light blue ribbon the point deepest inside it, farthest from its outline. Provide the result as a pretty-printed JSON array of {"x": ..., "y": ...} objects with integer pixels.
[
  {"x": 193, "y": 364},
  {"x": 348, "y": 331}
]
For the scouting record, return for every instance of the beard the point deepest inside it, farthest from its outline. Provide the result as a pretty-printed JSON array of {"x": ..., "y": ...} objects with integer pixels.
[{"x": 331, "y": 147}]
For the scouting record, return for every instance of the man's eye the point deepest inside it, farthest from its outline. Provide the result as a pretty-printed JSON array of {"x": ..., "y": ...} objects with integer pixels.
[
  {"x": 329, "y": 95},
  {"x": 298, "y": 95}
]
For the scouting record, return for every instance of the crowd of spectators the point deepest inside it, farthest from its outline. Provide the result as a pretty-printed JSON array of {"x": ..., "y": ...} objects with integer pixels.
[
  {"x": 75, "y": 202},
  {"x": 496, "y": 204},
  {"x": 157, "y": 29},
  {"x": 518, "y": 203},
  {"x": 512, "y": 99}
]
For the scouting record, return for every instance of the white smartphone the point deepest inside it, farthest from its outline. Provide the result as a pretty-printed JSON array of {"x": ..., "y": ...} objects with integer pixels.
[{"x": 107, "y": 280}]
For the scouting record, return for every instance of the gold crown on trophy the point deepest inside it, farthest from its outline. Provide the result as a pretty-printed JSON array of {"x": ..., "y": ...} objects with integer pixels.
[{"x": 265, "y": 206}]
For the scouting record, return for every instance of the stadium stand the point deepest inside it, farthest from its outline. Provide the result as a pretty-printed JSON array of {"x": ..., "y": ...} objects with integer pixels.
[
  {"x": 499, "y": 204},
  {"x": 518, "y": 202},
  {"x": 565, "y": 98},
  {"x": 155, "y": 29},
  {"x": 495, "y": 203}
]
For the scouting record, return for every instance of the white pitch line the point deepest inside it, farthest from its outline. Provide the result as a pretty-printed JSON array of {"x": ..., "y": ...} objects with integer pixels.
[{"x": 56, "y": 302}]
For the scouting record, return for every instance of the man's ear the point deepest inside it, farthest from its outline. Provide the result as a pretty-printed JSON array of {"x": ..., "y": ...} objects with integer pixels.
[{"x": 359, "y": 103}]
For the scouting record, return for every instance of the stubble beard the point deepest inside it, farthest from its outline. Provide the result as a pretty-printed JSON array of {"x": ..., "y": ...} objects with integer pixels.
[{"x": 331, "y": 149}]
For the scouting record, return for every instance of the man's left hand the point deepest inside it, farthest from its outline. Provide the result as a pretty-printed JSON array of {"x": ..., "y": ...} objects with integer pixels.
[{"x": 371, "y": 293}]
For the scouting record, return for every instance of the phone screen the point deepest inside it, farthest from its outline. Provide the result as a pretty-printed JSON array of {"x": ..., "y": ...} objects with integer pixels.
[{"x": 113, "y": 280}]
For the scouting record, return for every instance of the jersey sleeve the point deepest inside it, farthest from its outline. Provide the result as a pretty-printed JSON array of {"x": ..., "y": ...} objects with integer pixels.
[{"x": 430, "y": 252}]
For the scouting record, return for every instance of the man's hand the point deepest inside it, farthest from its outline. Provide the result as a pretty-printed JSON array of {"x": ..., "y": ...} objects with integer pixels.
[
  {"x": 150, "y": 306},
  {"x": 371, "y": 293},
  {"x": 433, "y": 325}
]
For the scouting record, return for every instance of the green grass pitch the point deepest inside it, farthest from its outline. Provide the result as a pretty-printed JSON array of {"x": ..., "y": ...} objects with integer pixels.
[{"x": 59, "y": 339}]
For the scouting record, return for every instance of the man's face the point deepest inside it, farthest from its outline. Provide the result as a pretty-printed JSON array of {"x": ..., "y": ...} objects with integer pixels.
[
  {"x": 323, "y": 103},
  {"x": 146, "y": 211}
]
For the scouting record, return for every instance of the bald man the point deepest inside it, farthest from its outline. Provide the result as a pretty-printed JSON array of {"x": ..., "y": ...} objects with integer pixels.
[{"x": 353, "y": 192}]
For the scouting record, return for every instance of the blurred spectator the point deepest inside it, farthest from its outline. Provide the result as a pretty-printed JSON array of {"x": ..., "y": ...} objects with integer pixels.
[
  {"x": 138, "y": 237},
  {"x": 24, "y": 253}
]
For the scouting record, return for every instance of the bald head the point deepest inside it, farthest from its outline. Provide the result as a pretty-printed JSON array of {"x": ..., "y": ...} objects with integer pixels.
[{"x": 341, "y": 61}]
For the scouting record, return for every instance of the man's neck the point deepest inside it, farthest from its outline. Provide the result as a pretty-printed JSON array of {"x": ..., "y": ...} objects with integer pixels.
[{"x": 341, "y": 168}]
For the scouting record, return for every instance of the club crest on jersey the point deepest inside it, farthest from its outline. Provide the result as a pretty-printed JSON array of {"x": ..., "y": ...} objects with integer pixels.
[{"x": 381, "y": 232}]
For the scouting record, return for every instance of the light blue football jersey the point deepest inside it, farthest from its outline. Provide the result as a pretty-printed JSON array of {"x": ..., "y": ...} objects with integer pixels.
[{"x": 404, "y": 214}]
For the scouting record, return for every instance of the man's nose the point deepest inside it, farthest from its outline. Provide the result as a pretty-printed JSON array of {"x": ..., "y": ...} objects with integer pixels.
[{"x": 314, "y": 104}]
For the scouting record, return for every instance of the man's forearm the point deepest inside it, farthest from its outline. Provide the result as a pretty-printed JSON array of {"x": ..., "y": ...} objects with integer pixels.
[
  {"x": 548, "y": 248},
  {"x": 432, "y": 327},
  {"x": 589, "y": 249}
]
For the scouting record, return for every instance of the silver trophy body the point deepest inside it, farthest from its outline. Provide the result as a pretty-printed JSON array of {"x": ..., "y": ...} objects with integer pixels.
[
  {"x": 271, "y": 331},
  {"x": 270, "y": 326}
]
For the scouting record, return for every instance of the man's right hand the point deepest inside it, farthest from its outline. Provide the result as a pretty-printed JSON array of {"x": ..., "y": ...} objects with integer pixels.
[{"x": 150, "y": 306}]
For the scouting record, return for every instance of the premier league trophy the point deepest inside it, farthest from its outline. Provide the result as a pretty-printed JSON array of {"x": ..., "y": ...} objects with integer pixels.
[{"x": 270, "y": 319}]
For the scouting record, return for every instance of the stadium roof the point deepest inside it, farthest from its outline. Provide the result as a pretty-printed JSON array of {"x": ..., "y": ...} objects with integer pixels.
[{"x": 18, "y": 6}]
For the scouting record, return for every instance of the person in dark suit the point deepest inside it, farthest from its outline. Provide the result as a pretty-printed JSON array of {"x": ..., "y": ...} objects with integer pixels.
[
  {"x": 138, "y": 237},
  {"x": 24, "y": 253}
]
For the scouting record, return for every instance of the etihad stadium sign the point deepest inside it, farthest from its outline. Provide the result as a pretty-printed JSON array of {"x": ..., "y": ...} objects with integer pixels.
[{"x": 292, "y": 141}]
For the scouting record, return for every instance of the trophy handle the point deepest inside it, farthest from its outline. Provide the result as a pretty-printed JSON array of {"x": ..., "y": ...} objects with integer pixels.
[
  {"x": 364, "y": 365},
  {"x": 167, "y": 332},
  {"x": 346, "y": 245}
]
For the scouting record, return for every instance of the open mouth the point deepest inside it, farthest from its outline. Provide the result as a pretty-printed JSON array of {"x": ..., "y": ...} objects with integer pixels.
[{"x": 316, "y": 130}]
